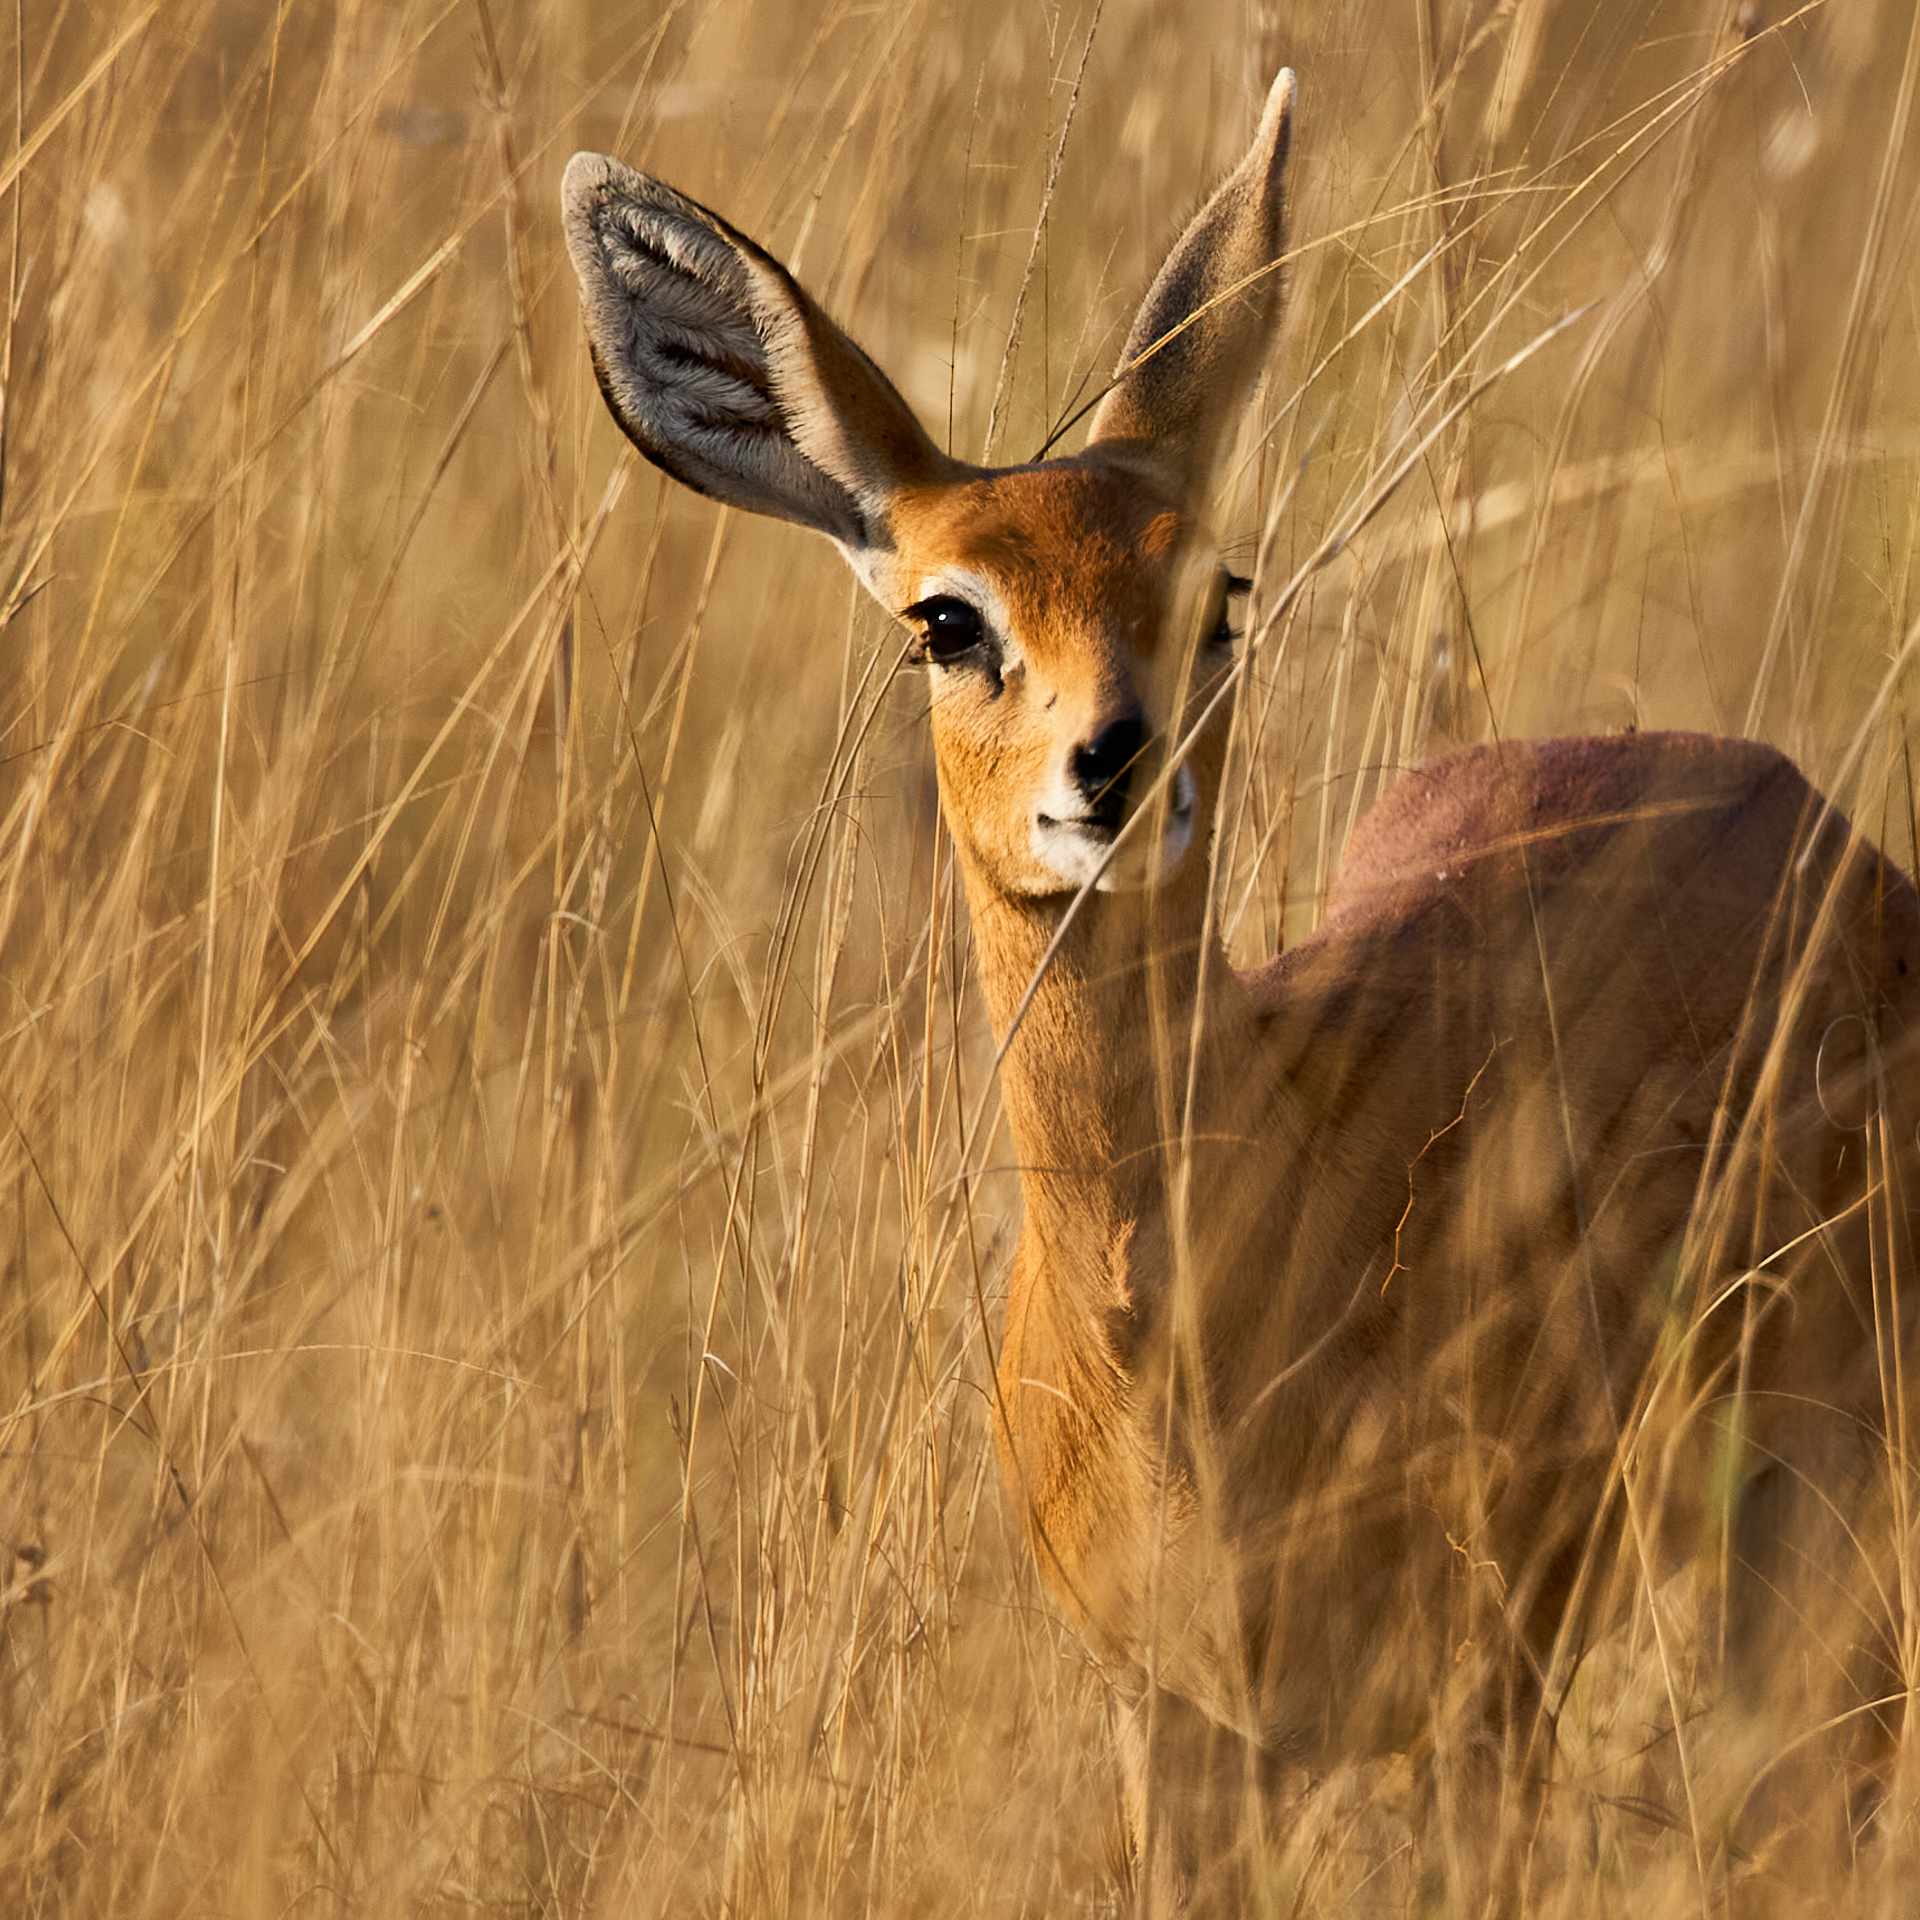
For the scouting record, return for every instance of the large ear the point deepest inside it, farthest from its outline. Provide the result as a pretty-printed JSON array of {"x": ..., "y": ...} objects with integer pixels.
[
  {"x": 721, "y": 369},
  {"x": 1207, "y": 318}
]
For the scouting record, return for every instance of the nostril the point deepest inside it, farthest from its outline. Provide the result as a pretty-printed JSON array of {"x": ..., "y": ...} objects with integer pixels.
[{"x": 1101, "y": 766}]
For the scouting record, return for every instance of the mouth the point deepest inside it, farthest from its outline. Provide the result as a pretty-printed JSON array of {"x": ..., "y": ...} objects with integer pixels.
[{"x": 1117, "y": 855}]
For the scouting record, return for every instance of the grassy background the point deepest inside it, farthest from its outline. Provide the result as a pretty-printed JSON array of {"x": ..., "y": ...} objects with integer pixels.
[{"x": 498, "y": 1290}]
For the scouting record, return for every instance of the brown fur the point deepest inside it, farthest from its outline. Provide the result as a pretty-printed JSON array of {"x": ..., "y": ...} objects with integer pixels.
[
  {"x": 1558, "y": 1068},
  {"x": 1378, "y": 1315}
]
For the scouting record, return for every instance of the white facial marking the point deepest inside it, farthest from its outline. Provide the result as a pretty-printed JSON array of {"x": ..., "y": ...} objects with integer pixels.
[
  {"x": 1074, "y": 850},
  {"x": 984, "y": 598}
]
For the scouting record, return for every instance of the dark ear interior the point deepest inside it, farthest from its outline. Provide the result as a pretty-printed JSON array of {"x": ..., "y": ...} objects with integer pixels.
[
  {"x": 722, "y": 370},
  {"x": 671, "y": 321}
]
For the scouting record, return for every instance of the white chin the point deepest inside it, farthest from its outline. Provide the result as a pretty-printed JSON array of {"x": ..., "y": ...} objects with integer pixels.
[{"x": 1078, "y": 856}]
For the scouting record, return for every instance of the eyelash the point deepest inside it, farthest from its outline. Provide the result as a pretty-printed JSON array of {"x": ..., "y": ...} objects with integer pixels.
[{"x": 1226, "y": 633}]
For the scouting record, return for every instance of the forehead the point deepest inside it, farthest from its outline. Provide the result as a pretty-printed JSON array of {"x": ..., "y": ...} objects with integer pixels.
[{"x": 1071, "y": 540}]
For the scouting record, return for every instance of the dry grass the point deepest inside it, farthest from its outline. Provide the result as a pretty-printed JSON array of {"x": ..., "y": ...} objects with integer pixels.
[{"x": 495, "y": 1319}]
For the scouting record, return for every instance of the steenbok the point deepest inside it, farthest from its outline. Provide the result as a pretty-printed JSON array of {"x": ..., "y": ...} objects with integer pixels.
[{"x": 1385, "y": 1317}]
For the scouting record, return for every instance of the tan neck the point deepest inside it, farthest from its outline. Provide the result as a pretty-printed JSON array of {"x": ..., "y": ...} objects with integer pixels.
[{"x": 1095, "y": 1078}]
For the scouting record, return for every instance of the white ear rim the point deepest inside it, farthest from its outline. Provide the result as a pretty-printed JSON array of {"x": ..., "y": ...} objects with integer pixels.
[
  {"x": 674, "y": 310},
  {"x": 726, "y": 373}
]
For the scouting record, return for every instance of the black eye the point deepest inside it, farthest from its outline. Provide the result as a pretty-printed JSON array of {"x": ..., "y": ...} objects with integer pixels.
[
  {"x": 1232, "y": 587},
  {"x": 950, "y": 629}
]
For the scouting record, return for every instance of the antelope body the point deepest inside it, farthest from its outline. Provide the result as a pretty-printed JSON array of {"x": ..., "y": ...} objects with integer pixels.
[{"x": 1551, "y": 1211}]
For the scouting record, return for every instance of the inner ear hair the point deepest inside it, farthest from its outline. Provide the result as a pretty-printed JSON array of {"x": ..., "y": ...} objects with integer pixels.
[{"x": 723, "y": 371}]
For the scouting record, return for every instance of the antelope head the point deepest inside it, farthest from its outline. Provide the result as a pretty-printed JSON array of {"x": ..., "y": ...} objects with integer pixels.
[{"x": 1073, "y": 613}]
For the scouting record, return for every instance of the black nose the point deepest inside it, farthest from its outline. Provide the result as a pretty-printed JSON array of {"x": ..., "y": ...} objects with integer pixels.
[{"x": 1103, "y": 765}]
